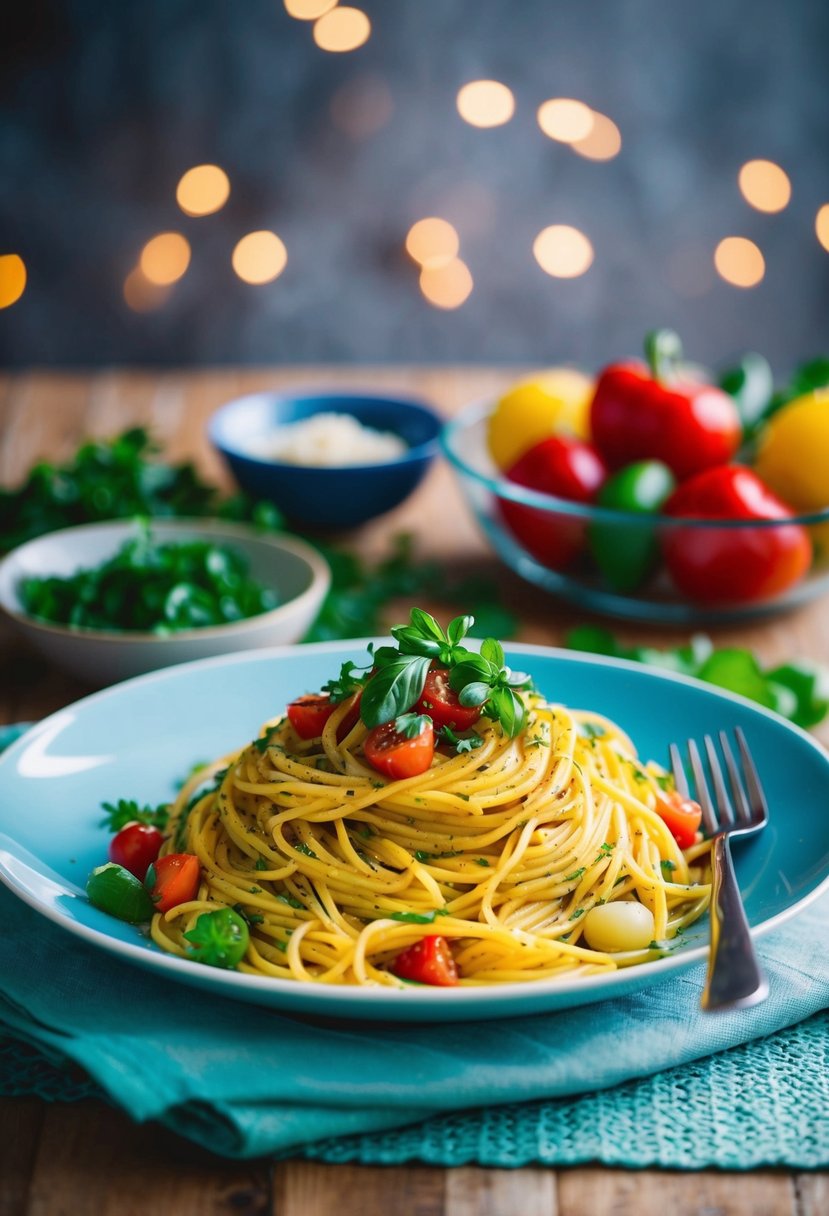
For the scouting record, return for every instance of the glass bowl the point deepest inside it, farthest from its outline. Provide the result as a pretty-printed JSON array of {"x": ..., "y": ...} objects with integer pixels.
[{"x": 628, "y": 565}]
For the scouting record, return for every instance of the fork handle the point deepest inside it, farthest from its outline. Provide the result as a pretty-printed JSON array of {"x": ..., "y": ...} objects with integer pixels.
[{"x": 734, "y": 978}]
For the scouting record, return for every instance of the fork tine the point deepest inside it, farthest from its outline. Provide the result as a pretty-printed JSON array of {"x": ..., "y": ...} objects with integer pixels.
[
  {"x": 743, "y": 811},
  {"x": 757, "y": 798},
  {"x": 724, "y": 807},
  {"x": 678, "y": 770},
  {"x": 709, "y": 819}
]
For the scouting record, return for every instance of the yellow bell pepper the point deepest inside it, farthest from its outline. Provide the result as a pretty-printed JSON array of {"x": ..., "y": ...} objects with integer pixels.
[
  {"x": 554, "y": 402},
  {"x": 793, "y": 458}
]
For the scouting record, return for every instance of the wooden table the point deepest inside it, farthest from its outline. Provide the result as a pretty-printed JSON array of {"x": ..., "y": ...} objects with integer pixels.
[{"x": 79, "y": 1159}]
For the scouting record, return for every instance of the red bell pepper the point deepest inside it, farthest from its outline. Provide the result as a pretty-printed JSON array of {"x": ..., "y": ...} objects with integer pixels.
[
  {"x": 657, "y": 413},
  {"x": 722, "y": 565},
  {"x": 565, "y": 468}
]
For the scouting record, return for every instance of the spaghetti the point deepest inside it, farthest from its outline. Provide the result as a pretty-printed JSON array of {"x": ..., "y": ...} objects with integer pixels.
[{"x": 503, "y": 850}]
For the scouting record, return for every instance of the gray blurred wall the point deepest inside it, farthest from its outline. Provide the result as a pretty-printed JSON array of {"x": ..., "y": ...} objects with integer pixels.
[{"x": 106, "y": 102}]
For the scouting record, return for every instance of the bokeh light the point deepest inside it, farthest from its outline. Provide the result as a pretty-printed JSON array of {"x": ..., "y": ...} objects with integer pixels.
[
  {"x": 362, "y": 106},
  {"x": 140, "y": 294},
  {"x": 342, "y": 29},
  {"x": 448, "y": 285},
  {"x": 203, "y": 190},
  {"x": 432, "y": 242},
  {"x": 602, "y": 142},
  {"x": 12, "y": 279},
  {"x": 308, "y": 10},
  {"x": 259, "y": 257},
  {"x": 165, "y": 258},
  {"x": 764, "y": 185},
  {"x": 822, "y": 226},
  {"x": 739, "y": 261},
  {"x": 565, "y": 119},
  {"x": 563, "y": 251},
  {"x": 485, "y": 103}
]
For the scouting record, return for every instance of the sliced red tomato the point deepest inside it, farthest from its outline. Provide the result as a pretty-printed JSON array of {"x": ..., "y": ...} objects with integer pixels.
[
  {"x": 136, "y": 847},
  {"x": 441, "y": 703},
  {"x": 562, "y": 467},
  {"x": 173, "y": 879},
  {"x": 395, "y": 754},
  {"x": 722, "y": 565},
  {"x": 308, "y": 715},
  {"x": 681, "y": 815},
  {"x": 428, "y": 961}
]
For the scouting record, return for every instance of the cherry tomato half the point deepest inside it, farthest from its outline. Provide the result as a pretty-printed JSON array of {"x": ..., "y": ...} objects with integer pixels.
[
  {"x": 308, "y": 715},
  {"x": 136, "y": 847},
  {"x": 173, "y": 879},
  {"x": 681, "y": 815},
  {"x": 722, "y": 565},
  {"x": 395, "y": 755},
  {"x": 428, "y": 961},
  {"x": 441, "y": 703},
  {"x": 565, "y": 468}
]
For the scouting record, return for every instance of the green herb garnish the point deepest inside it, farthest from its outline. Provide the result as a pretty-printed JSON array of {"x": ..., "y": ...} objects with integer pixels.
[{"x": 125, "y": 811}]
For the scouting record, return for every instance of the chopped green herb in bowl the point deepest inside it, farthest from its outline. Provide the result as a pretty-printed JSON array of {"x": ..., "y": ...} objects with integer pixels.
[
  {"x": 108, "y": 601},
  {"x": 152, "y": 586}
]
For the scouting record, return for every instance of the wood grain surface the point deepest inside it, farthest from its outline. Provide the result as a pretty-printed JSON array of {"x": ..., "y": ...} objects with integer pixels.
[{"x": 89, "y": 1160}]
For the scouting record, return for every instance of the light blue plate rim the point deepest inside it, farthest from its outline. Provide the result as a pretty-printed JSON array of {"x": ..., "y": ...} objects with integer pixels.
[{"x": 39, "y": 877}]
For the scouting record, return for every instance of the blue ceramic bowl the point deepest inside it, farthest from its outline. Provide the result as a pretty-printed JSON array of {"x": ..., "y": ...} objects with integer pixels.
[{"x": 341, "y": 496}]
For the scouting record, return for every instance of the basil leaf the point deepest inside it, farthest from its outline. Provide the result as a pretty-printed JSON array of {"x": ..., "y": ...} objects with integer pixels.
[
  {"x": 474, "y": 694},
  {"x": 414, "y": 918},
  {"x": 412, "y": 642},
  {"x": 493, "y": 651},
  {"x": 809, "y": 685},
  {"x": 510, "y": 710},
  {"x": 475, "y": 667},
  {"x": 459, "y": 628},
  {"x": 738, "y": 671},
  {"x": 427, "y": 625},
  {"x": 393, "y": 689},
  {"x": 411, "y": 725}
]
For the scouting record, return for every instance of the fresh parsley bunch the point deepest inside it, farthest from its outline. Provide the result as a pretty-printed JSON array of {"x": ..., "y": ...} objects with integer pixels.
[{"x": 480, "y": 679}]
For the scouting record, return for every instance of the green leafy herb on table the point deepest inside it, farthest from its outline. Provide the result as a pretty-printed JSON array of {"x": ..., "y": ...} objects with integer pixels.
[
  {"x": 798, "y": 691},
  {"x": 153, "y": 587},
  {"x": 116, "y": 479}
]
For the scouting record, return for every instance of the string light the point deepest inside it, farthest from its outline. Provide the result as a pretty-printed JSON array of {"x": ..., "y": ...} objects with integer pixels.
[
  {"x": 485, "y": 103},
  {"x": 822, "y": 226},
  {"x": 602, "y": 142},
  {"x": 739, "y": 261},
  {"x": 764, "y": 185},
  {"x": 563, "y": 251},
  {"x": 12, "y": 279},
  {"x": 308, "y": 10},
  {"x": 432, "y": 242},
  {"x": 165, "y": 258},
  {"x": 259, "y": 257},
  {"x": 565, "y": 119},
  {"x": 203, "y": 190},
  {"x": 140, "y": 294},
  {"x": 342, "y": 29},
  {"x": 447, "y": 285}
]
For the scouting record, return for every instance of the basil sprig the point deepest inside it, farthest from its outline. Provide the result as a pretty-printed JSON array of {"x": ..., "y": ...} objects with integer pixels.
[{"x": 479, "y": 679}]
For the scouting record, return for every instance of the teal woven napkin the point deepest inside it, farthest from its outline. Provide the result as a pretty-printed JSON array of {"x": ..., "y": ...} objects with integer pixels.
[{"x": 245, "y": 1081}]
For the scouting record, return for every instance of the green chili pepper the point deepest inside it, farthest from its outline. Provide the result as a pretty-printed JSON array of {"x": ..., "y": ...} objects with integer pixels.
[
  {"x": 114, "y": 890},
  {"x": 627, "y": 553},
  {"x": 219, "y": 939}
]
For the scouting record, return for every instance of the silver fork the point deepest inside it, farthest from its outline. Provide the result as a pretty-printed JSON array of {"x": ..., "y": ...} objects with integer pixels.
[{"x": 735, "y": 979}]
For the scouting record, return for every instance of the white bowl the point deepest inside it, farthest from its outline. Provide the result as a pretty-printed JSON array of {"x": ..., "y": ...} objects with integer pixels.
[{"x": 291, "y": 568}]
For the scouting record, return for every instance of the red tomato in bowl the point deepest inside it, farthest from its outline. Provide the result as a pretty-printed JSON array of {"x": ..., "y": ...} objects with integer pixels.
[
  {"x": 441, "y": 703},
  {"x": 174, "y": 879},
  {"x": 565, "y": 468},
  {"x": 398, "y": 755},
  {"x": 682, "y": 816},
  {"x": 722, "y": 565}
]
